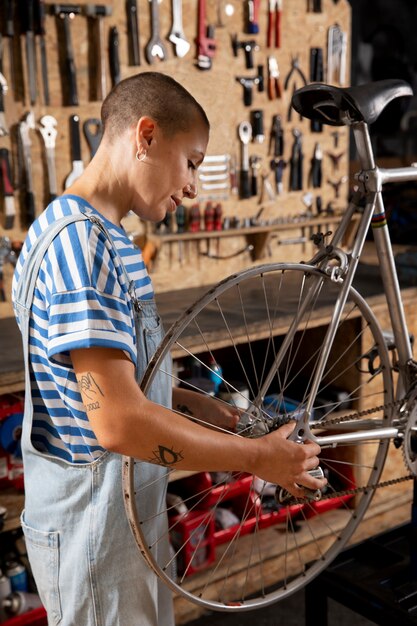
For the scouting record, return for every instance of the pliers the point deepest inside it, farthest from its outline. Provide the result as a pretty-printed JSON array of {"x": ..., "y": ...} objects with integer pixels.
[
  {"x": 274, "y": 14},
  {"x": 274, "y": 84},
  {"x": 295, "y": 67}
]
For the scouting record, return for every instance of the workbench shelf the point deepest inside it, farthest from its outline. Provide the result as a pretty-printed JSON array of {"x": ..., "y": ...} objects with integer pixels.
[{"x": 257, "y": 236}]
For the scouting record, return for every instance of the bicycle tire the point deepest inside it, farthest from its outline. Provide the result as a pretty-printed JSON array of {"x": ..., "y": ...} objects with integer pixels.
[{"x": 293, "y": 543}]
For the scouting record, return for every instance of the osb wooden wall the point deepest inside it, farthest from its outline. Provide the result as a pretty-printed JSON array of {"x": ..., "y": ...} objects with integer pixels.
[{"x": 175, "y": 265}]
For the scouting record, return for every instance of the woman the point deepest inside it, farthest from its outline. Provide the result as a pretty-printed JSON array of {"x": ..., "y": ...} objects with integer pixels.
[{"x": 85, "y": 307}]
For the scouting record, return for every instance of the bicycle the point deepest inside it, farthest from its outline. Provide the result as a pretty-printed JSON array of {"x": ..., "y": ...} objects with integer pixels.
[{"x": 295, "y": 372}]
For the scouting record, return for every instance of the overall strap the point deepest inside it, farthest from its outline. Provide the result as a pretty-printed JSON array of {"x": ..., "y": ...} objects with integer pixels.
[{"x": 26, "y": 284}]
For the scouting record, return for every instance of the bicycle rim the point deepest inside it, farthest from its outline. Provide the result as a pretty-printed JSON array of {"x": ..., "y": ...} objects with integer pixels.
[{"x": 264, "y": 551}]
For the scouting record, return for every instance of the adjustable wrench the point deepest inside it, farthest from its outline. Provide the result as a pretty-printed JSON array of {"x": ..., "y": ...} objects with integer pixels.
[
  {"x": 176, "y": 36},
  {"x": 77, "y": 163},
  {"x": 25, "y": 126},
  {"x": 48, "y": 131},
  {"x": 155, "y": 47}
]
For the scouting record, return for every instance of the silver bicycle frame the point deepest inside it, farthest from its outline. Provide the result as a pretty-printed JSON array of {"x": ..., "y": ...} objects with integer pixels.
[{"x": 371, "y": 180}]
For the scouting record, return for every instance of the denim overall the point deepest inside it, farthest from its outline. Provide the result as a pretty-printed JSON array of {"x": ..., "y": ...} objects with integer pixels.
[{"x": 87, "y": 567}]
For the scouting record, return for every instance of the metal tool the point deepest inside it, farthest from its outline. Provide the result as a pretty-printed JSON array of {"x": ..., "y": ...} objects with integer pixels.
[
  {"x": 97, "y": 13},
  {"x": 4, "y": 129},
  {"x": 296, "y": 162},
  {"x": 336, "y": 55},
  {"x": 133, "y": 32},
  {"x": 253, "y": 16},
  {"x": 257, "y": 121},
  {"x": 27, "y": 19},
  {"x": 274, "y": 83},
  {"x": 248, "y": 83},
  {"x": 245, "y": 135},
  {"x": 176, "y": 35},
  {"x": 276, "y": 137},
  {"x": 77, "y": 164},
  {"x": 114, "y": 55},
  {"x": 248, "y": 46},
  {"x": 155, "y": 47},
  {"x": 65, "y": 13},
  {"x": 39, "y": 27},
  {"x": 206, "y": 45},
  {"x": 93, "y": 131},
  {"x": 278, "y": 166},
  {"x": 9, "y": 34},
  {"x": 295, "y": 69},
  {"x": 25, "y": 126},
  {"x": 7, "y": 189},
  {"x": 5, "y": 249},
  {"x": 274, "y": 24},
  {"x": 49, "y": 132}
]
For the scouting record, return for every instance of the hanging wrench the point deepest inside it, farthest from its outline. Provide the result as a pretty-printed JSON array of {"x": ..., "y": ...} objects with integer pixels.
[
  {"x": 27, "y": 124},
  {"x": 155, "y": 47},
  {"x": 176, "y": 36},
  {"x": 48, "y": 131},
  {"x": 245, "y": 135}
]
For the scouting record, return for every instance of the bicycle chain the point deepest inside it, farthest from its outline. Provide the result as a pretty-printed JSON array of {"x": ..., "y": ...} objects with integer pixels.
[{"x": 348, "y": 418}]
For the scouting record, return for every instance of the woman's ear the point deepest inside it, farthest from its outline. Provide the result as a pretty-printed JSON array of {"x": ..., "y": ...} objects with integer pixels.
[{"x": 145, "y": 131}]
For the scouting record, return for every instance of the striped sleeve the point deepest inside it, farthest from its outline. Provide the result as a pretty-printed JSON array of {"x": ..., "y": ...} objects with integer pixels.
[{"x": 87, "y": 299}]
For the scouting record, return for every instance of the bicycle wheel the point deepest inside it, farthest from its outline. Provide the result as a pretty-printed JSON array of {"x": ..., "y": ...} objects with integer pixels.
[{"x": 230, "y": 538}]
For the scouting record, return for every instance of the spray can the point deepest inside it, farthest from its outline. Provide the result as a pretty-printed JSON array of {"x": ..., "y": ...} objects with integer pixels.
[
  {"x": 18, "y": 576},
  {"x": 5, "y": 590},
  {"x": 20, "y": 602}
]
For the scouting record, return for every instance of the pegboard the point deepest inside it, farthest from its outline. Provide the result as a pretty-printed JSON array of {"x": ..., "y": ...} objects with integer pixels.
[{"x": 275, "y": 219}]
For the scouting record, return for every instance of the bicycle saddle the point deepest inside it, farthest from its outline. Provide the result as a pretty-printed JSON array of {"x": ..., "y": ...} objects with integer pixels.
[{"x": 339, "y": 106}]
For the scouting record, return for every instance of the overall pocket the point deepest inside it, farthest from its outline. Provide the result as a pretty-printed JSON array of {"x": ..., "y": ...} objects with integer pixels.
[{"x": 43, "y": 552}]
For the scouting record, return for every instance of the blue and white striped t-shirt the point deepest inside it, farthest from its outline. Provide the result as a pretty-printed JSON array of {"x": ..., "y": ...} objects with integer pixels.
[{"x": 80, "y": 300}]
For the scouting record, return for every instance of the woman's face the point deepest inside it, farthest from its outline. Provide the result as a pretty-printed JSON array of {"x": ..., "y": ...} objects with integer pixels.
[{"x": 169, "y": 170}]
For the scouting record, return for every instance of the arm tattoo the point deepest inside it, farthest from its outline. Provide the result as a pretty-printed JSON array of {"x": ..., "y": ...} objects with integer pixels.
[
  {"x": 90, "y": 391},
  {"x": 165, "y": 456},
  {"x": 182, "y": 408}
]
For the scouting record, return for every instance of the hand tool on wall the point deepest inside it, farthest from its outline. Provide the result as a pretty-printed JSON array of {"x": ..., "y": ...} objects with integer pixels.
[
  {"x": 114, "y": 59},
  {"x": 248, "y": 83},
  {"x": 335, "y": 159},
  {"x": 276, "y": 137},
  {"x": 295, "y": 69},
  {"x": 65, "y": 13},
  {"x": 155, "y": 47},
  {"x": 336, "y": 184},
  {"x": 255, "y": 167},
  {"x": 77, "y": 164},
  {"x": 93, "y": 131},
  {"x": 5, "y": 249},
  {"x": 316, "y": 76},
  {"x": 25, "y": 126},
  {"x": 8, "y": 33},
  {"x": 206, "y": 45},
  {"x": 273, "y": 37},
  {"x": 4, "y": 129},
  {"x": 176, "y": 35},
  {"x": 296, "y": 162},
  {"x": 257, "y": 122},
  {"x": 336, "y": 55},
  {"x": 96, "y": 13},
  {"x": 27, "y": 22},
  {"x": 7, "y": 189},
  {"x": 180, "y": 216},
  {"x": 49, "y": 132},
  {"x": 253, "y": 16},
  {"x": 245, "y": 135},
  {"x": 274, "y": 83},
  {"x": 133, "y": 32},
  {"x": 278, "y": 166},
  {"x": 248, "y": 46},
  {"x": 316, "y": 167},
  {"x": 314, "y": 6},
  {"x": 39, "y": 25},
  {"x": 266, "y": 189}
]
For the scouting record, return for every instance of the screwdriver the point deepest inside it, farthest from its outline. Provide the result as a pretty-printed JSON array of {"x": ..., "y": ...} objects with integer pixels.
[{"x": 180, "y": 214}]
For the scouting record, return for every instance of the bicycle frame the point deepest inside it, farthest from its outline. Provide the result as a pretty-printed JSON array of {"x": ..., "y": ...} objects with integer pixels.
[{"x": 370, "y": 179}]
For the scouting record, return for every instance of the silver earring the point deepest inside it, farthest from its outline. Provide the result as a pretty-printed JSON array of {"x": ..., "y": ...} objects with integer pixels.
[{"x": 141, "y": 156}]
